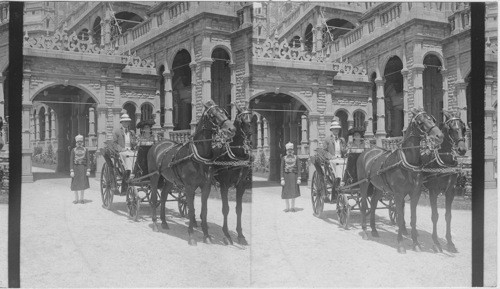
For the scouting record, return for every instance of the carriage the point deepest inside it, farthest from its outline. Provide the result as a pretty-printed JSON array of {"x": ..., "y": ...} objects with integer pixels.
[
  {"x": 342, "y": 191},
  {"x": 114, "y": 181}
]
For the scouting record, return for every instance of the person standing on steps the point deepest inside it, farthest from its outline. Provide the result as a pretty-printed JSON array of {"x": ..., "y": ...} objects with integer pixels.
[
  {"x": 79, "y": 169},
  {"x": 290, "y": 177}
]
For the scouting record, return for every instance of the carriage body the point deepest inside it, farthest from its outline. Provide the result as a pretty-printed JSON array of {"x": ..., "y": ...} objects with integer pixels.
[
  {"x": 114, "y": 180},
  {"x": 343, "y": 190}
]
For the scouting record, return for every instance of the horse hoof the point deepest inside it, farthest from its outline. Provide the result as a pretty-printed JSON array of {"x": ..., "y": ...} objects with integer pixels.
[
  {"x": 242, "y": 241},
  {"x": 364, "y": 235},
  {"x": 155, "y": 228},
  {"x": 404, "y": 232},
  {"x": 452, "y": 248},
  {"x": 164, "y": 226},
  {"x": 192, "y": 242},
  {"x": 375, "y": 234},
  {"x": 207, "y": 240},
  {"x": 417, "y": 248},
  {"x": 401, "y": 250},
  {"x": 227, "y": 241},
  {"x": 437, "y": 248}
]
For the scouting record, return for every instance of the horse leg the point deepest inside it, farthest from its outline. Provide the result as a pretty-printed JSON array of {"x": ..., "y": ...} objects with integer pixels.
[
  {"x": 154, "y": 200},
  {"x": 399, "y": 200},
  {"x": 225, "y": 211},
  {"x": 164, "y": 195},
  {"x": 403, "y": 230},
  {"x": 415, "y": 196},
  {"x": 240, "y": 190},
  {"x": 375, "y": 197},
  {"x": 205, "y": 192},
  {"x": 434, "y": 217},
  {"x": 450, "y": 195},
  {"x": 190, "y": 203},
  {"x": 364, "y": 187}
]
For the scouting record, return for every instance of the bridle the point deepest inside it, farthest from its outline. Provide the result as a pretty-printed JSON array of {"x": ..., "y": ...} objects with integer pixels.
[
  {"x": 247, "y": 147},
  {"x": 448, "y": 126}
]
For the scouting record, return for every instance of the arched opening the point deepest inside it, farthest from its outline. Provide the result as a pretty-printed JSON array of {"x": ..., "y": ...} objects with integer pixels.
[
  {"x": 283, "y": 114},
  {"x": 181, "y": 90},
  {"x": 335, "y": 28},
  {"x": 433, "y": 87},
  {"x": 130, "y": 108},
  {"x": 374, "y": 103},
  {"x": 295, "y": 42},
  {"x": 393, "y": 96},
  {"x": 96, "y": 31},
  {"x": 83, "y": 34},
  {"x": 342, "y": 115},
  {"x": 124, "y": 21},
  {"x": 162, "y": 95},
  {"x": 221, "y": 79},
  {"x": 308, "y": 36},
  {"x": 359, "y": 119},
  {"x": 69, "y": 113},
  {"x": 146, "y": 111}
]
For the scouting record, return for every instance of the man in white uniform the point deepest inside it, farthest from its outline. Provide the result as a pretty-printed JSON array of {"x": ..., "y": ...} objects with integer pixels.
[
  {"x": 125, "y": 142},
  {"x": 335, "y": 145}
]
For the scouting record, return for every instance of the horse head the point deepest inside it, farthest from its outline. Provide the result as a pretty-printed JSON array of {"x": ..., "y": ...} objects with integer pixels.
[
  {"x": 243, "y": 121},
  {"x": 426, "y": 124},
  {"x": 218, "y": 121},
  {"x": 454, "y": 131}
]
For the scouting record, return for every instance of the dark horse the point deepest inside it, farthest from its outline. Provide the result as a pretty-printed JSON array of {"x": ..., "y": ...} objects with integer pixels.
[
  {"x": 189, "y": 166},
  {"x": 397, "y": 172},
  {"x": 441, "y": 174},
  {"x": 234, "y": 169}
]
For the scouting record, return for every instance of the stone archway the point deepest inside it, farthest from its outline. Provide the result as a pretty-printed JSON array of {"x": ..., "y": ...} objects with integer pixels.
[
  {"x": 433, "y": 87},
  {"x": 70, "y": 108},
  {"x": 393, "y": 97},
  {"x": 283, "y": 113}
]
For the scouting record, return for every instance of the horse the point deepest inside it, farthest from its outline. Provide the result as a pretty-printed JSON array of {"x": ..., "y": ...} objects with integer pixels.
[
  {"x": 397, "y": 172},
  {"x": 189, "y": 165},
  {"x": 237, "y": 171},
  {"x": 441, "y": 174}
]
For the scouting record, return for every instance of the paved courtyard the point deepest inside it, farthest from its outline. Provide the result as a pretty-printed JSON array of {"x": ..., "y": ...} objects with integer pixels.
[{"x": 67, "y": 245}]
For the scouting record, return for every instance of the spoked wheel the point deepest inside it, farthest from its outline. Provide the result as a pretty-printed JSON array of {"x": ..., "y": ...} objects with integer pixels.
[
  {"x": 392, "y": 211},
  {"x": 317, "y": 194},
  {"x": 107, "y": 180},
  {"x": 343, "y": 210},
  {"x": 182, "y": 203},
  {"x": 133, "y": 203}
]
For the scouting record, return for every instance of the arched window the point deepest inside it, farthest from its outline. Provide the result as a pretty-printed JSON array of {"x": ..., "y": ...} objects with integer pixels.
[
  {"x": 359, "y": 119},
  {"x": 146, "y": 111},
  {"x": 308, "y": 38}
]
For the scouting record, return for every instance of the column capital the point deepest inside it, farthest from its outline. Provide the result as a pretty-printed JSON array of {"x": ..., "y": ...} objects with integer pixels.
[
  {"x": 405, "y": 71},
  {"x": 205, "y": 61},
  {"x": 488, "y": 80},
  {"x": 379, "y": 81},
  {"x": 193, "y": 65},
  {"x": 418, "y": 68},
  {"x": 167, "y": 74}
]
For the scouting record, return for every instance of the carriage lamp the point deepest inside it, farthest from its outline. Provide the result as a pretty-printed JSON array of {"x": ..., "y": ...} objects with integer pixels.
[{"x": 351, "y": 202}]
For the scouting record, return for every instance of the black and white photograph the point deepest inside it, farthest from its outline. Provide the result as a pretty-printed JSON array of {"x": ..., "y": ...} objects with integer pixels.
[{"x": 248, "y": 144}]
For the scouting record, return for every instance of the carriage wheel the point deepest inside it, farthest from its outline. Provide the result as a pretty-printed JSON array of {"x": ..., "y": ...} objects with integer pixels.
[
  {"x": 317, "y": 194},
  {"x": 343, "y": 210},
  {"x": 133, "y": 203},
  {"x": 107, "y": 180},
  {"x": 392, "y": 211},
  {"x": 182, "y": 203}
]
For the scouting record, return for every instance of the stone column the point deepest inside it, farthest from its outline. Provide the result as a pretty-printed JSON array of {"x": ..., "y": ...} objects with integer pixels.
[
  {"x": 418, "y": 95},
  {"x": 53, "y": 126},
  {"x": 445, "y": 90},
  {"x": 489, "y": 153},
  {"x": 194, "y": 101},
  {"x": 169, "y": 102},
  {"x": 369, "y": 113},
  {"x": 304, "y": 142},
  {"x": 232, "y": 66},
  {"x": 266, "y": 137},
  {"x": 260, "y": 133},
  {"x": 405, "y": 73},
  {"x": 313, "y": 140},
  {"x": 380, "y": 133},
  {"x": 37, "y": 127},
  {"x": 27, "y": 151},
  {"x": 102, "y": 120},
  {"x": 350, "y": 124},
  {"x": 91, "y": 125},
  {"x": 107, "y": 28},
  {"x": 138, "y": 119},
  {"x": 206, "y": 79},
  {"x": 461, "y": 87},
  {"x": 319, "y": 37},
  {"x": 2, "y": 98},
  {"x": 32, "y": 127}
]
